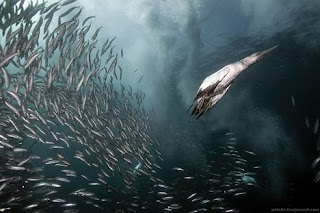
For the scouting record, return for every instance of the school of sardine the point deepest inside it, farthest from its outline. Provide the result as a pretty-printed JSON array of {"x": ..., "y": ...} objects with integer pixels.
[
  {"x": 222, "y": 178},
  {"x": 316, "y": 132},
  {"x": 74, "y": 136},
  {"x": 316, "y": 162}
]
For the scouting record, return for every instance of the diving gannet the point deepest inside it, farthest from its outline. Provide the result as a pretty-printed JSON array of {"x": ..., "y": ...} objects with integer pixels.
[{"x": 216, "y": 85}]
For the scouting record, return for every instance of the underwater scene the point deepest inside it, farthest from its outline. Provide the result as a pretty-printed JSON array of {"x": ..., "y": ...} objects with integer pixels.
[{"x": 159, "y": 106}]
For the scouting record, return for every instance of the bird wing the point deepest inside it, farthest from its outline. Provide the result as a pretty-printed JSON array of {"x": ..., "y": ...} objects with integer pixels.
[
  {"x": 214, "y": 99},
  {"x": 206, "y": 102},
  {"x": 207, "y": 95},
  {"x": 210, "y": 83}
]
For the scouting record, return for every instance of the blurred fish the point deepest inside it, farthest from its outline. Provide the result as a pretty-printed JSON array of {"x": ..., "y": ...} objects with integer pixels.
[
  {"x": 316, "y": 126},
  {"x": 177, "y": 169},
  {"x": 307, "y": 122},
  {"x": 317, "y": 177},
  {"x": 66, "y": 2},
  {"x": 293, "y": 101},
  {"x": 136, "y": 168},
  {"x": 248, "y": 179}
]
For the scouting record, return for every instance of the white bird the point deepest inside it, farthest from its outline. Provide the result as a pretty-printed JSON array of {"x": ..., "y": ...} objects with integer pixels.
[{"x": 216, "y": 85}]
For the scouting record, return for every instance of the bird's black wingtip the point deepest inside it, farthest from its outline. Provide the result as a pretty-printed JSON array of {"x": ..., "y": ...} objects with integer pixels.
[
  {"x": 189, "y": 108},
  {"x": 194, "y": 111},
  {"x": 200, "y": 115}
]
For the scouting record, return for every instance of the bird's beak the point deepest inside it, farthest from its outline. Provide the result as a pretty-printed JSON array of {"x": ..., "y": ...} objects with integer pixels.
[{"x": 263, "y": 53}]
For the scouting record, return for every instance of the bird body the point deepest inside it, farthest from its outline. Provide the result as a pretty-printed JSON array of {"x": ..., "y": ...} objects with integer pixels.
[{"x": 215, "y": 86}]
